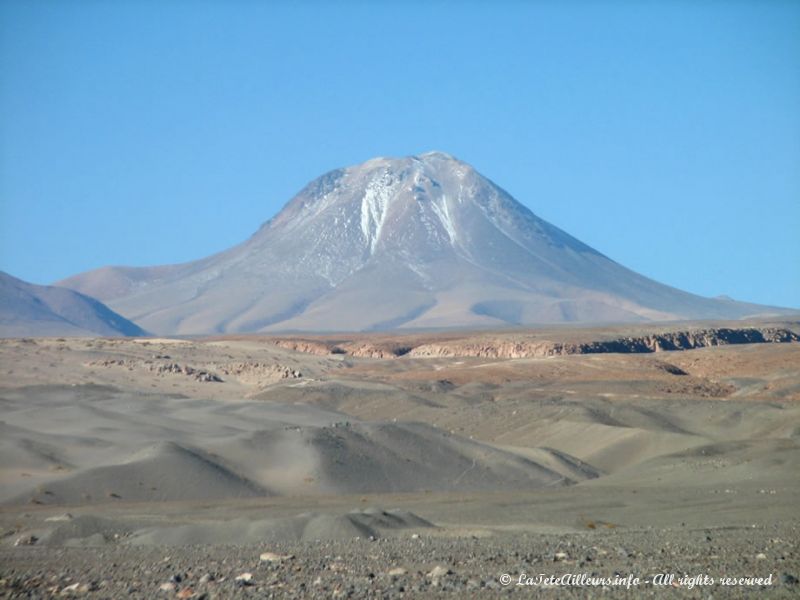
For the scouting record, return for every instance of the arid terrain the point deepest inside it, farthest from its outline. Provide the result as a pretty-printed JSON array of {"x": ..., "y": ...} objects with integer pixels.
[{"x": 413, "y": 465}]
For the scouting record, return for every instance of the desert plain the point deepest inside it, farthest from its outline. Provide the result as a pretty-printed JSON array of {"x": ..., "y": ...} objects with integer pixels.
[{"x": 562, "y": 462}]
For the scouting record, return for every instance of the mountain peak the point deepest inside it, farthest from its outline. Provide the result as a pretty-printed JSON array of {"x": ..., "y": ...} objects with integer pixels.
[
  {"x": 416, "y": 241},
  {"x": 437, "y": 155},
  {"x": 433, "y": 161}
]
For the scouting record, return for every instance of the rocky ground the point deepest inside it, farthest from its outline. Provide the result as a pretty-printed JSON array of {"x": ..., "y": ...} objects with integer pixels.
[{"x": 425, "y": 566}]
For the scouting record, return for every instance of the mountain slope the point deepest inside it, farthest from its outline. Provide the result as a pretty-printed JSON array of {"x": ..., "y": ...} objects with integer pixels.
[
  {"x": 421, "y": 241},
  {"x": 36, "y": 310}
]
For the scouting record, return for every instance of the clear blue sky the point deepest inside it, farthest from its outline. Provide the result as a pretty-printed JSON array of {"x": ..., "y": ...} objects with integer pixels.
[{"x": 664, "y": 134}]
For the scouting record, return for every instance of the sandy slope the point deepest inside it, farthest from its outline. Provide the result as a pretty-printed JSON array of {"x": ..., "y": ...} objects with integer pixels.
[{"x": 96, "y": 444}]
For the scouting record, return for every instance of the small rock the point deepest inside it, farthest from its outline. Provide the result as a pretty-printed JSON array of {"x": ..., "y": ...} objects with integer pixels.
[
  {"x": 26, "y": 540},
  {"x": 185, "y": 593},
  {"x": 167, "y": 587},
  {"x": 208, "y": 577},
  {"x": 559, "y": 556},
  {"x": 761, "y": 556},
  {"x": 273, "y": 557},
  {"x": 414, "y": 536},
  {"x": 64, "y": 517},
  {"x": 397, "y": 572},
  {"x": 244, "y": 579},
  {"x": 75, "y": 589},
  {"x": 789, "y": 579},
  {"x": 437, "y": 573}
]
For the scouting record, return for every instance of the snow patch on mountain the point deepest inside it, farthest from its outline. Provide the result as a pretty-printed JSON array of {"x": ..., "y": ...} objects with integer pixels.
[{"x": 374, "y": 207}]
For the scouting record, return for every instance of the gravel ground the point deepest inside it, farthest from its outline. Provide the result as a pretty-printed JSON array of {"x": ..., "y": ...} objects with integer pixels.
[{"x": 423, "y": 566}]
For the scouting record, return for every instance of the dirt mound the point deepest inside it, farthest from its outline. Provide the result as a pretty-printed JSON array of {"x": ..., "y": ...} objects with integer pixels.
[
  {"x": 159, "y": 472},
  {"x": 312, "y": 526}
]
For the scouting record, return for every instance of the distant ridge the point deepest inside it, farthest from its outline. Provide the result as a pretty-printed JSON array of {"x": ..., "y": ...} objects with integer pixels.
[
  {"x": 396, "y": 243},
  {"x": 27, "y": 309}
]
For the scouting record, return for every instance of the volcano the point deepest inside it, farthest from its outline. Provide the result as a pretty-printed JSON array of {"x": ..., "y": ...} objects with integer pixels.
[{"x": 397, "y": 243}]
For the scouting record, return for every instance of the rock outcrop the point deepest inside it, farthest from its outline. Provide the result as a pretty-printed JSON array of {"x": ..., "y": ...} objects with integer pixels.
[{"x": 657, "y": 342}]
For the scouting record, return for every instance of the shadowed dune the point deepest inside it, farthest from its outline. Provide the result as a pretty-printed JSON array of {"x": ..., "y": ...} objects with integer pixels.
[{"x": 162, "y": 471}]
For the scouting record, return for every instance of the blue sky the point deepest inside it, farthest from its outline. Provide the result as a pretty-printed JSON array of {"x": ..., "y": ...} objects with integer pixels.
[{"x": 664, "y": 134}]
